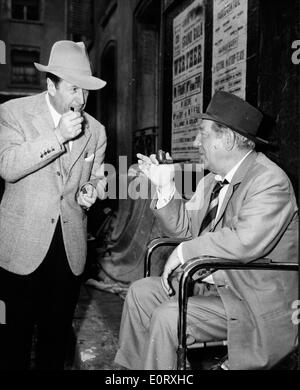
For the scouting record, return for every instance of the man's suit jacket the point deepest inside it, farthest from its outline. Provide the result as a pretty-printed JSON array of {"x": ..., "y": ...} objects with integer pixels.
[
  {"x": 41, "y": 185},
  {"x": 258, "y": 218}
]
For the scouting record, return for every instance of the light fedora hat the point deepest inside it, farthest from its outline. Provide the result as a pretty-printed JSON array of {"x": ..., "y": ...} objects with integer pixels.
[
  {"x": 69, "y": 61},
  {"x": 233, "y": 112}
]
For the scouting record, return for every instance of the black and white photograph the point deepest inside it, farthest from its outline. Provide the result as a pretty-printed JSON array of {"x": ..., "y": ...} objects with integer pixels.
[{"x": 149, "y": 188}]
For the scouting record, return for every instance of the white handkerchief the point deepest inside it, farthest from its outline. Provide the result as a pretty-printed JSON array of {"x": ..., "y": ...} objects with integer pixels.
[{"x": 90, "y": 158}]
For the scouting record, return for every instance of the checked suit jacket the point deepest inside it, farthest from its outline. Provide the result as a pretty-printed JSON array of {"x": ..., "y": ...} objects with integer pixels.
[{"x": 40, "y": 188}]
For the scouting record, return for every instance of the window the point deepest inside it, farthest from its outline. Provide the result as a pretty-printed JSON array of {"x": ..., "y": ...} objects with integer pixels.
[
  {"x": 25, "y": 9},
  {"x": 80, "y": 15},
  {"x": 23, "y": 70}
]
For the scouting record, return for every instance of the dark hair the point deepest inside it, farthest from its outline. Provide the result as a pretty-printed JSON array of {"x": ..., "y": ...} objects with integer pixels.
[{"x": 55, "y": 79}]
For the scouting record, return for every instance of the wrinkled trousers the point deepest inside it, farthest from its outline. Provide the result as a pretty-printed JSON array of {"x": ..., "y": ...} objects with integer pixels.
[{"x": 148, "y": 337}]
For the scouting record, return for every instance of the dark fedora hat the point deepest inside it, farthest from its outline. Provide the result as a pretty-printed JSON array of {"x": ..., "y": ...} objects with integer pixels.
[{"x": 233, "y": 112}]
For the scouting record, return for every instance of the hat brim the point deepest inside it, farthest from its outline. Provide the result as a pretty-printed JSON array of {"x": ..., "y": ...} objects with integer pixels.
[
  {"x": 238, "y": 130},
  {"x": 81, "y": 80}
]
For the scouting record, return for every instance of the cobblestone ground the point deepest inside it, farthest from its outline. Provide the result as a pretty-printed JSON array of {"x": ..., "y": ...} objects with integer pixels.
[{"x": 96, "y": 325}]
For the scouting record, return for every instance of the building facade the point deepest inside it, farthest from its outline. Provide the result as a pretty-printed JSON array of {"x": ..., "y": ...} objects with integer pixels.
[
  {"x": 163, "y": 60},
  {"x": 135, "y": 50},
  {"x": 28, "y": 28}
]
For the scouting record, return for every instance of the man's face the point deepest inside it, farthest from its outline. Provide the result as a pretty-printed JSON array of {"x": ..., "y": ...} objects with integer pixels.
[
  {"x": 211, "y": 147},
  {"x": 67, "y": 95}
]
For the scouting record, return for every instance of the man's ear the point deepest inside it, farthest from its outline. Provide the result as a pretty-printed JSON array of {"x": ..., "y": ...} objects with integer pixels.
[
  {"x": 229, "y": 140},
  {"x": 51, "y": 87}
]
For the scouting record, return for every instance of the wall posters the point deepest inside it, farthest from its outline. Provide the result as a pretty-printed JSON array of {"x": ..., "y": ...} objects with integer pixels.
[
  {"x": 229, "y": 46},
  {"x": 188, "y": 59}
]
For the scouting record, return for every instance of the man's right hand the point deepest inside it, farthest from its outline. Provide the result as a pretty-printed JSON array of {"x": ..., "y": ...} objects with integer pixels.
[
  {"x": 161, "y": 175},
  {"x": 69, "y": 127}
]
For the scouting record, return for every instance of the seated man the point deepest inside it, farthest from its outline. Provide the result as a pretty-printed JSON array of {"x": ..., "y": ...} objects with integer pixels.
[{"x": 244, "y": 209}]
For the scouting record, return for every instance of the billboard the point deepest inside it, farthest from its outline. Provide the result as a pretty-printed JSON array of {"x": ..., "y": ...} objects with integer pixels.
[
  {"x": 229, "y": 46},
  {"x": 188, "y": 60}
]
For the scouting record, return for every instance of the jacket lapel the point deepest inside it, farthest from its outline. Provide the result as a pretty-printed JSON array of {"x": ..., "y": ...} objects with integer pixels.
[{"x": 235, "y": 182}]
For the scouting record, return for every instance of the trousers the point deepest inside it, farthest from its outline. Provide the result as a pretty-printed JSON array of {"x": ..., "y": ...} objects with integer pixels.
[
  {"x": 148, "y": 337},
  {"x": 41, "y": 304}
]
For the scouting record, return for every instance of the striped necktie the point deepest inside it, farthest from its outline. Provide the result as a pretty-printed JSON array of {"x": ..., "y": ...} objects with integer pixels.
[{"x": 208, "y": 221}]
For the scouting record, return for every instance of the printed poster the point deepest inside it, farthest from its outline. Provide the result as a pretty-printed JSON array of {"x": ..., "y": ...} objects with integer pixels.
[
  {"x": 229, "y": 46},
  {"x": 188, "y": 65}
]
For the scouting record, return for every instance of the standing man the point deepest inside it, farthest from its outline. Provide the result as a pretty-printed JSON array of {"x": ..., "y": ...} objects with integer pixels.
[
  {"x": 51, "y": 159},
  {"x": 244, "y": 209}
]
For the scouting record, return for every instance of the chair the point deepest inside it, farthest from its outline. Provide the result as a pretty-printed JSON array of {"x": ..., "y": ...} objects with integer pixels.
[{"x": 189, "y": 274}]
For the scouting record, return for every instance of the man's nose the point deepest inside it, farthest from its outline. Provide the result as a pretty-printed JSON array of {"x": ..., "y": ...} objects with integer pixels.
[{"x": 81, "y": 96}]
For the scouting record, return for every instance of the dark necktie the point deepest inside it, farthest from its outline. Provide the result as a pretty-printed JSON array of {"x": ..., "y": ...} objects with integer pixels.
[{"x": 208, "y": 221}]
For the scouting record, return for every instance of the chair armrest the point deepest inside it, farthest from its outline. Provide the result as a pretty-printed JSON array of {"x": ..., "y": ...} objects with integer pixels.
[
  {"x": 212, "y": 264},
  {"x": 155, "y": 243}
]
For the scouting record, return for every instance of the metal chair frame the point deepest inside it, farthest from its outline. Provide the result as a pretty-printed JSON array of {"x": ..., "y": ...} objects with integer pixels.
[{"x": 211, "y": 264}]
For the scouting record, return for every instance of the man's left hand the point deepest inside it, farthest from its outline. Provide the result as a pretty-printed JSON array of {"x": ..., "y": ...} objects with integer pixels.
[
  {"x": 87, "y": 196},
  {"x": 172, "y": 263}
]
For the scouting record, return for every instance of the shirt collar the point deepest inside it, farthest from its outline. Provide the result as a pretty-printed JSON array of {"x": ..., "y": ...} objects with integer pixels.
[
  {"x": 231, "y": 173},
  {"x": 54, "y": 114}
]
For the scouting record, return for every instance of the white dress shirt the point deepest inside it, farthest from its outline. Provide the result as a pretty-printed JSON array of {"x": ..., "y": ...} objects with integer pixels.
[{"x": 55, "y": 116}]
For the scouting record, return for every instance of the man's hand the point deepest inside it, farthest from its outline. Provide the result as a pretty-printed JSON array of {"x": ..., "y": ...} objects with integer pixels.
[
  {"x": 69, "y": 127},
  {"x": 87, "y": 196},
  {"x": 160, "y": 175},
  {"x": 172, "y": 263}
]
